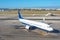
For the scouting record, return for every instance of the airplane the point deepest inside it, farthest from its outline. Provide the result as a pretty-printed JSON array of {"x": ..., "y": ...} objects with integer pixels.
[
  {"x": 49, "y": 14},
  {"x": 31, "y": 25}
]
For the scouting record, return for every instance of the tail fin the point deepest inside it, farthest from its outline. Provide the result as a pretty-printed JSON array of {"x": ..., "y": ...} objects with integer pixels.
[{"x": 19, "y": 15}]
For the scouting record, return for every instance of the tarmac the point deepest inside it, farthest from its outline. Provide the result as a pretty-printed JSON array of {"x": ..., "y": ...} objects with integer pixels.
[{"x": 8, "y": 29}]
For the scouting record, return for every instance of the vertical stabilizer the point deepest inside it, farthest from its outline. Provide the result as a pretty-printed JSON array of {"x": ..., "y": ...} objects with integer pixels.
[{"x": 19, "y": 15}]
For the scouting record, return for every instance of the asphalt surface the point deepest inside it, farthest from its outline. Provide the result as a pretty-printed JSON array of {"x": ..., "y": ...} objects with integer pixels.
[
  {"x": 29, "y": 16},
  {"x": 8, "y": 30}
]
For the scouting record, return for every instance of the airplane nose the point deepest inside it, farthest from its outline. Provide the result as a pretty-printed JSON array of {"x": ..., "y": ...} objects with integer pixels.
[{"x": 55, "y": 31}]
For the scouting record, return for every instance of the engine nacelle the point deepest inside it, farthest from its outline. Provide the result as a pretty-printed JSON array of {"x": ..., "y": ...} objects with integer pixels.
[
  {"x": 30, "y": 27},
  {"x": 27, "y": 27}
]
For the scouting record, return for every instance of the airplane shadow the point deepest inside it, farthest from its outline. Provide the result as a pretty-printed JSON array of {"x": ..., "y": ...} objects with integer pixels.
[{"x": 18, "y": 26}]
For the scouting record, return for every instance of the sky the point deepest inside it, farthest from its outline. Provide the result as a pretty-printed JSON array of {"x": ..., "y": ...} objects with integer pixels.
[{"x": 29, "y": 3}]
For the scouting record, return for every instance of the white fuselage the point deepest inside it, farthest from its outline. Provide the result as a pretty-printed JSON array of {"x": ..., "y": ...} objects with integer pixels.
[{"x": 40, "y": 25}]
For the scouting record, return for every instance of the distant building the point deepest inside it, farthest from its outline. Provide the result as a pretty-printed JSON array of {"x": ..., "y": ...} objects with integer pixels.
[
  {"x": 1, "y": 10},
  {"x": 57, "y": 9}
]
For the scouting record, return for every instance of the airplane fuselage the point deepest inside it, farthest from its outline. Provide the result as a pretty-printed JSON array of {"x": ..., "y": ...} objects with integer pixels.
[{"x": 39, "y": 25}]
